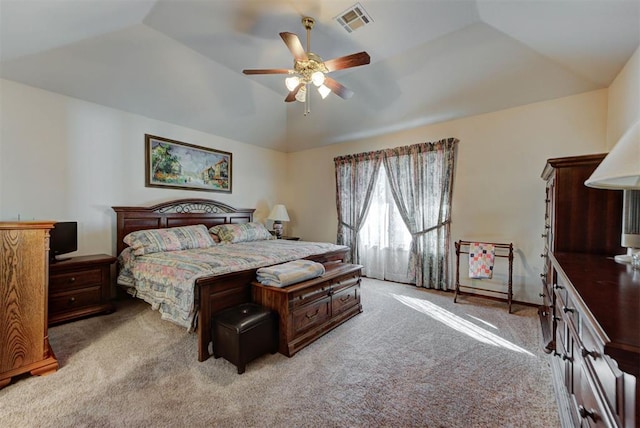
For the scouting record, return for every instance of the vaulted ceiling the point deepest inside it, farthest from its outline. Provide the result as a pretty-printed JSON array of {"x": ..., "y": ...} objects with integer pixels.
[{"x": 182, "y": 61}]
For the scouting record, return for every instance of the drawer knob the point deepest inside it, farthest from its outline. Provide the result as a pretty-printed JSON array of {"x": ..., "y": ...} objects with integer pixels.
[
  {"x": 544, "y": 235},
  {"x": 584, "y": 413},
  {"x": 72, "y": 300},
  {"x": 565, "y": 357},
  {"x": 556, "y": 318},
  {"x": 541, "y": 294},
  {"x": 72, "y": 279},
  {"x": 586, "y": 353},
  {"x": 566, "y": 310},
  {"x": 543, "y": 275},
  {"x": 543, "y": 255},
  {"x": 558, "y": 287}
]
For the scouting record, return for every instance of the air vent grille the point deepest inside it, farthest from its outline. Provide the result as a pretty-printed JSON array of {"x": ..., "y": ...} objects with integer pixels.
[{"x": 354, "y": 18}]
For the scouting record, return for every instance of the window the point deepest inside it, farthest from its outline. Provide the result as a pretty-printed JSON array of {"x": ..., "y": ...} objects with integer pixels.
[
  {"x": 419, "y": 179},
  {"x": 384, "y": 242}
]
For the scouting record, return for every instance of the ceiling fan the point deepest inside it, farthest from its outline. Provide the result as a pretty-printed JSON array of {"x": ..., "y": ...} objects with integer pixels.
[{"x": 310, "y": 68}]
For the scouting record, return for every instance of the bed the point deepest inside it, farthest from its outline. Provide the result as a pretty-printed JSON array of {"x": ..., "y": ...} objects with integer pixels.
[{"x": 223, "y": 288}]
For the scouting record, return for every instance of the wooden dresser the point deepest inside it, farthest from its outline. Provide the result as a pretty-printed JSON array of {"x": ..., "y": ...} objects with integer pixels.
[
  {"x": 309, "y": 309},
  {"x": 24, "y": 341},
  {"x": 591, "y": 310},
  {"x": 79, "y": 287}
]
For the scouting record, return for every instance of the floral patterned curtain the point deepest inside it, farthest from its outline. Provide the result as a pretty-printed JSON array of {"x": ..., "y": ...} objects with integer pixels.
[
  {"x": 421, "y": 180},
  {"x": 355, "y": 178}
]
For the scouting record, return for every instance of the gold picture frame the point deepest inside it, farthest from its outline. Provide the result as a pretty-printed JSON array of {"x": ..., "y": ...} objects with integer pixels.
[{"x": 177, "y": 165}]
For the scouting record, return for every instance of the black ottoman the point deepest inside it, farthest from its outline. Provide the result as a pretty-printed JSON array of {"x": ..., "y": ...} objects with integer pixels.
[{"x": 244, "y": 333}]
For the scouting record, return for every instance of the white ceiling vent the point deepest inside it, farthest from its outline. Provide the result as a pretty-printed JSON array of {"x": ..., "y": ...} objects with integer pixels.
[{"x": 353, "y": 18}]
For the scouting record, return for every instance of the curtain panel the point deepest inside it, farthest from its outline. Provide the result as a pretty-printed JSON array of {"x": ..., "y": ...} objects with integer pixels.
[
  {"x": 355, "y": 178},
  {"x": 421, "y": 180}
]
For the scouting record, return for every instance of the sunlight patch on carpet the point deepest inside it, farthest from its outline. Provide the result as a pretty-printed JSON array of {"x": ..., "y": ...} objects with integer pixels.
[
  {"x": 483, "y": 321},
  {"x": 458, "y": 323}
]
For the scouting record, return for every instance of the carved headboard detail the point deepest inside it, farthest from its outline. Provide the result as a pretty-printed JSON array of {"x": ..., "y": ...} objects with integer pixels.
[{"x": 180, "y": 212}]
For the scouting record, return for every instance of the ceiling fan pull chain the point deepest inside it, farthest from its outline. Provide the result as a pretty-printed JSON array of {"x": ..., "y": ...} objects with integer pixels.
[{"x": 307, "y": 103}]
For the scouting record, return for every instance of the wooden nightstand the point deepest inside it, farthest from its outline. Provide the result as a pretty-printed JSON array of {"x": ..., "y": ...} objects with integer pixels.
[{"x": 79, "y": 287}]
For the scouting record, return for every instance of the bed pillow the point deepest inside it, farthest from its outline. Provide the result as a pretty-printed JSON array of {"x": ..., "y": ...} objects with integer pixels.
[
  {"x": 242, "y": 232},
  {"x": 170, "y": 239}
]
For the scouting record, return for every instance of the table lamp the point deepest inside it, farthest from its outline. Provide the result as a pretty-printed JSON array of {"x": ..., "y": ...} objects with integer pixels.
[
  {"x": 278, "y": 215},
  {"x": 620, "y": 169}
]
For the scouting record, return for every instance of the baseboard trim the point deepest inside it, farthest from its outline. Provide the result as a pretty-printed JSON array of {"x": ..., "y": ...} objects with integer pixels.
[{"x": 496, "y": 298}]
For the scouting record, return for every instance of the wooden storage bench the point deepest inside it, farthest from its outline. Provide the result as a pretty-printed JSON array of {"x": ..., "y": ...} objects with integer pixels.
[{"x": 309, "y": 309}]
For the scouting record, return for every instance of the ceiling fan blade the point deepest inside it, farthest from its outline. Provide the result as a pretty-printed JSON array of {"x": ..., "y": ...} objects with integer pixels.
[
  {"x": 269, "y": 71},
  {"x": 293, "y": 43},
  {"x": 292, "y": 95},
  {"x": 338, "y": 88},
  {"x": 353, "y": 60}
]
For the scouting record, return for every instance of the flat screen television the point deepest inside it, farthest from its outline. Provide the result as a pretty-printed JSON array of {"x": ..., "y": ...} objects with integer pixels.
[{"x": 63, "y": 239}]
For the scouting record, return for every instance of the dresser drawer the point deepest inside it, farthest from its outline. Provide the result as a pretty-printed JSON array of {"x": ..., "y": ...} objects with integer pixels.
[
  {"x": 75, "y": 279},
  {"x": 590, "y": 410},
  {"x": 565, "y": 307},
  {"x": 345, "y": 299},
  {"x": 561, "y": 330},
  {"x": 311, "y": 315},
  {"x": 609, "y": 378},
  {"x": 69, "y": 300}
]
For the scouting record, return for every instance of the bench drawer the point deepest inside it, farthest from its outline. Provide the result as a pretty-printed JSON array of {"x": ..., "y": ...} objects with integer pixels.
[
  {"x": 311, "y": 315},
  {"x": 345, "y": 299}
]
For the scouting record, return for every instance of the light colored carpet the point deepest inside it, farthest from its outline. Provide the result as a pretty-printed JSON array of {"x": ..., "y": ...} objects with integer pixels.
[{"x": 412, "y": 358}]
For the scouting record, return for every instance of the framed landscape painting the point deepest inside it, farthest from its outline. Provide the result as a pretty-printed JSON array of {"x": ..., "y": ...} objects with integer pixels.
[{"x": 178, "y": 165}]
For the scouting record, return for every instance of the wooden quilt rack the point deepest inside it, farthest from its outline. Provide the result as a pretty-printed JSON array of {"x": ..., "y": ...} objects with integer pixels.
[{"x": 501, "y": 250}]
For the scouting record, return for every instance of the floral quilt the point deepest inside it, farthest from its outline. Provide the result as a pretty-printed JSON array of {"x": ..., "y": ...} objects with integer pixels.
[{"x": 166, "y": 280}]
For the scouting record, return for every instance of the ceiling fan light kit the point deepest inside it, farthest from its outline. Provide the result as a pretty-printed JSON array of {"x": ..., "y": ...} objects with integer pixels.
[{"x": 309, "y": 68}]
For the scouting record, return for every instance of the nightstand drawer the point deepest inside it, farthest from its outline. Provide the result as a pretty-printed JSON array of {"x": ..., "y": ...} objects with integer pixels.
[
  {"x": 75, "y": 279},
  {"x": 63, "y": 302}
]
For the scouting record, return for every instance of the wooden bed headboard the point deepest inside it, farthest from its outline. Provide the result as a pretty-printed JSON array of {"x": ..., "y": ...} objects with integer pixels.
[{"x": 180, "y": 212}]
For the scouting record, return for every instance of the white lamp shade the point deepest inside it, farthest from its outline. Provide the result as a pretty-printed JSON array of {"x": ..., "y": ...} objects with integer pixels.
[
  {"x": 620, "y": 169},
  {"x": 292, "y": 82},
  {"x": 317, "y": 78},
  {"x": 324, "y": 91},
  {"x": 302, "y": 94},
  {"x": 278, "y": 213}
]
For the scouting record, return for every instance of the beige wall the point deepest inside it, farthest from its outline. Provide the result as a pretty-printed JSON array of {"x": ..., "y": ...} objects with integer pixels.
[
  {"x": 498, "y": 193},
  {"x": 624, "y": 100},
  {"x": 66, "y": 159}
]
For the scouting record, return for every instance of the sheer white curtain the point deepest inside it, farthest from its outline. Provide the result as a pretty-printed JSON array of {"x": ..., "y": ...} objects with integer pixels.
[{"x": 384, "y": 242}]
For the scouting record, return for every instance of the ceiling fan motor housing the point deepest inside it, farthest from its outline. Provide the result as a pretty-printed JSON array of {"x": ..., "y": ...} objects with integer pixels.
[{"x": 306, "y": 68}]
